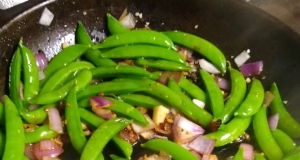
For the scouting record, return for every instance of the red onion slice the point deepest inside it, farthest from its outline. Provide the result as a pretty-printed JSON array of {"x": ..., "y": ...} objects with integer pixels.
[
  {"x": 164, "y": 78},
  {"x": 41, "y": 60},
  {"x": 273, "y": 121},
  {"x": 203, "y": 145},
  {"x": 128, "y": 21},
  {"x": 222, "y": 83},
  {"x": 29, "y": 151},
  {"x": 55, "y": 123},
  {"x": 208, "y": 67},
  {"x": 248, "y": 151},
  {"x": 148, "y": 134},
  {"x": 269, "y": 96},
  {"x": 53, "y": 151},
  {"x": 252, "y": 69},
  {"x": 138, "y": 128},
  {"x": 197, "y": 155},
  {"x": 100, "y": 102},
  {"x": 242, "y": 58}
]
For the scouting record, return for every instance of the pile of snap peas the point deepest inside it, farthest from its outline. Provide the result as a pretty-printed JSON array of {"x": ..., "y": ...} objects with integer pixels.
[{"x": 70, "y": 78}]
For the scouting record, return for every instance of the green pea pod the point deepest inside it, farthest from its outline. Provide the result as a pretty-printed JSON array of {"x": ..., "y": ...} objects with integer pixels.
[
  {"x": 36, "y": 116},
  {"x": 59, "y": 78},
  {"x": 80, "y": 81},
  {"x": 119, "y": 71},
  {"x": 30, "y": 73},
  {"x": 25, "y": 158},
  {"x": 114, "y": 26},
  {"x": 95, "y": 121},
  {"x": 128, "y": 111},
  {"x": 160, "y": 91},
  {"x": 201, "y": 46},
  {"x": 286, "y": 122},
  {"x": 74, "y": 128},
  {"x": 15, "y": 79},
  {"x": 114, "y": 157},
  {"x": 101, "y": 136},
  {"x": 15, "y": 139},
  {"x": 192, "y": 89},
  {"x": 106, "y": 88},
  {"x": 293, "y": 155},
  {"x": 239, "y": 154},
  {"x": 162, "y": 65},
  {"x": 64, "y": 57},
  {"x": 2, "y": 114},
  {"x": 176, "y": 151},
  {"x": 2, "y": 142},
  {"x": 285, "y": 142},
  {"x": 84, "y": 103},
  {"x": 140, "y": 100},
  {"x": 236, "y": 97},
  {"x": 155, "y": 75},
  {"x": 136, "y": 37},
  {"x": 93, "y": 55},
  {"x": 253, "y": 100},
  {"x": 264, "y": 137},
  {"x": 172, "y": 84},
  {"x": 143, "y": 50},
  {"x": 258, "y": 156},
  {"x": 40, "y": 133},
  {"x": 231, "y": 131},
  {"x": 214, "y": 93}
]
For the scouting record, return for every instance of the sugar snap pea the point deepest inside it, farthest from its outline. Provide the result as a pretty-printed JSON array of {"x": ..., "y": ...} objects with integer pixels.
[
  {"x": 214, "y": 93},
  {"x": 36, "y": 116},
  {"x": 253, "y": 100},
  {"x": 93, "y": 55},
  {"x": 239, "y": 154},
  {"x": 293, "y": 155},
  {"x": 64, "y": 57},
  {"x": 80, "y": 81},
  {"x": 201, "y": 46},
  {"x": 15, "y": 139},
  {"x": 286, "y": 122},
  {"x": 285, "y": 142},
  {"x": 142, "y": 50},
  {"x": 236, "y": 97},
  {"x": 114, "y": 157},
  {"x": 192, "y": 89},
  {"x": 140, "y": 100},
  {"x": 40, "y": 133},
  {"x": 136, "y": 37},
  {"x": 176, "y": 151},
  {"x": 114, "y": 26},
  {"x": 2, "y": 114},
  {"x": 59, "y": 78},
  {"x": 162, "y": 65},
  {"x": 2, "y": 142},
  {"x": 30, "y": 72},
  {"x": 258, "y": 156},
  {"x": 101, "y": 136},
  {"x": 264, "y": 137}
]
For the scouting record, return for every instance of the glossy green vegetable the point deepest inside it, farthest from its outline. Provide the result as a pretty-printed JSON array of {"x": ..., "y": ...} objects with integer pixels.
[
  {"x": 114, "y": 26},
  {"x": 2, "y": 142},
  {"x": 191, "y": 89},
  {"x": 264, "y": 137},
  {"x": 176, "y": 151},
  {"x": 258, "y": 156},
  {"x": 253, "y": 100},
  {"x": 114, "y": 157},
  {"x": 239, "y": 154},
  {"x": 14, "y": 131},
  {"x": 136, "y": 37},
  {"x": 2, "y": 114},
  {"x": 101, "y": 136},
  {"x": 293, "y": 155},
  {"x": 36, "y": 116},
  {"x": 162, "y": 65},
  {"x": 140, "y": 100},
  {"x": 285, "y": 142},
  {"x": 201, "y": 46},
  {"x": 40, "y": 133},
  {"x": 143, "y": 50},
  {"x": 286, "y": 122}
]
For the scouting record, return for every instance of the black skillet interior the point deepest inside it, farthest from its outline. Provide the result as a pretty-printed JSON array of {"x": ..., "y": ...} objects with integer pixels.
[{"x": 231, "y": 25}]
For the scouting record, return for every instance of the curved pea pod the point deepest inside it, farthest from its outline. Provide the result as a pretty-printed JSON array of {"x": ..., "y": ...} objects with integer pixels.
[
  {"x": 40, "y": 133},
  {"x": 264, "y": 136},
  {"x": 136, "y": 37},
  {"x": 192, "y": 89},
  {"x": 201, "y": 46},
  {"x": 253, "y": 100},
  {"x": 59, "y": 78},
  {"x": 286, "y": 122},
  {"x": 295, "y": 154},
  {"x": 2, "y": 142},
  {"x": 236, "y": 97},
  {"x": 30, "y": 73},
  {"x": 101, "y": 136},
  {"x": 285, "y": 142},
  {"x": 119, "y": 71},
  {"x": 80, "y": 81},
  {"x": 2, "y": 114},
  {"x": 112, "y": 87},
  {"x": 114, "y": 157},
  {"x": 258, "y": 156},
  {"x": 143, "y": 50},
  {"x": 214, "y": 93},
  {"x": 160, "y": 91},
  {"x": 239, "y": 154},
  {"x": 231, "y": 131},
  {"x": 176, "y": 151},
  {"x": 36, "y": 116},
  {"x": 114, "y": 26},
  {"x": 64, "y": 57},
  {"x": 125, "y": 147},
  {"x": 14, "y": 131},
  {"x": 162, "y": 65},
  {"x": 93, "y": 55},
  {"x": 140, "y": 100},
  {"x": 15, "y": 79},
  {"x": 155, "y": 75}
]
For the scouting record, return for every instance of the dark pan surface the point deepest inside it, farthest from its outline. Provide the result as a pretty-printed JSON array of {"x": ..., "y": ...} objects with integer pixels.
[{"x": 231, "y": 25}]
